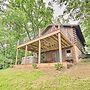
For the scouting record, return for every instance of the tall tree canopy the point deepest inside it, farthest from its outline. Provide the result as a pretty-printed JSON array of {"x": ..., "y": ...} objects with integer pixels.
[
  {"x": 23, "y": 18},
  {"x": 77, "y": 10},
  {"x": 19, "y": 19}
]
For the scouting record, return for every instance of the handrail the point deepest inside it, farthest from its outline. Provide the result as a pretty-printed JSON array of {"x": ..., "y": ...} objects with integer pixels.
[{"x": 26, "y": 39}]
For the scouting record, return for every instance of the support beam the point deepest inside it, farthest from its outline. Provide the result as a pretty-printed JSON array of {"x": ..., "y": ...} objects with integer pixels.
[
  {"x": 16, "y": 56},
  {"x": 39, "y": 32},
  {"x": 60, "y": 49},
  {"x": 25, "y": 53},
  {"x": 39, "y": 52},
  {"x": 75, "y": 54}
]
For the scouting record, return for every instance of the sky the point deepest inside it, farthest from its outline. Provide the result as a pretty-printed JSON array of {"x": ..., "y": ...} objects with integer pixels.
[{"x": 59, "y": 11}]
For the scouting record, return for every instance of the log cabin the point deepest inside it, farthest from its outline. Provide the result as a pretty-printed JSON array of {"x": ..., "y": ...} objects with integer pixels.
[{"x": 56, "y": 43}]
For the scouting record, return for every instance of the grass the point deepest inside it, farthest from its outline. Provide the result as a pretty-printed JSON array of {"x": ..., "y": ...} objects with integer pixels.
[
  {"x": 65, "y": 83},
  {"x": 77, "y": 78},
  {"x": 11, "y": 79}
]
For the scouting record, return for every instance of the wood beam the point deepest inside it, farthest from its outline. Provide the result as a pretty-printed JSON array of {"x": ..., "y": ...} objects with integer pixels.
[
  {"x": 39, "y": 53},
  {"x": 25, "y": 53},
  {"x": 75, "y": 54},
  {"x": 65, "y": 43},
  {"x": 60, "y": 48},
  {"x": 16, "y": 57},
  {"x": 55, "y": 37},
  {"x": 40, "y": 38},
  {"x": 65, "y": 38}
]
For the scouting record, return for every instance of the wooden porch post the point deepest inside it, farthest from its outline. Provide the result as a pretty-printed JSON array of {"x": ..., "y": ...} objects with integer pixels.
[
  {"x": 75, "y": 54},
  {"x": 16, "y": 57},
  {"x": 60, "y": 49},
  {"x": 39, "y": 33},
  {"x": 39, "y": 52},
  {"x": 25, "y": 53}
]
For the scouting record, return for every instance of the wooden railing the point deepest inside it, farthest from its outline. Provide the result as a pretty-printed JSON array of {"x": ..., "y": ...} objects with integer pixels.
[
  {"x": 22, "y": 41},
  {"x": 26, "y": 39}
]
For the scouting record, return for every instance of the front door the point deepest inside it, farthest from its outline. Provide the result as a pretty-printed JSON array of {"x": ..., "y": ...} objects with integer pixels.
[
  {"x": 51, "y": 56},
  {"x": 48, "y": 57}
]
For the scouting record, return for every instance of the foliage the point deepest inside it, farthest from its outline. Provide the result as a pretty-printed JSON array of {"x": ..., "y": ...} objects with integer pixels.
[
  {"x": 1, "y": 66},
  {"x": 58, "y": 66},
  {"x": 77, "y": 10},
  {"x": 20, "y": 19},
  {"x": 11, "y": 79},
  {"x": 34, "y": 66}
]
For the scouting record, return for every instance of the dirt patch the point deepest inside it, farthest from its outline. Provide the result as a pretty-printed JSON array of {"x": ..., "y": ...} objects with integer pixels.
[{"x": 80, "y": 71}]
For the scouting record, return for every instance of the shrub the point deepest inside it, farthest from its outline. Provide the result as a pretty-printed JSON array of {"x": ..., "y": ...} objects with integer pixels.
[
  {"x": 58, "y": 66},
  {"x": 11, "y": 66},
  {"x": 34, "y": 66},
  {"x": 1, "y": 66}
]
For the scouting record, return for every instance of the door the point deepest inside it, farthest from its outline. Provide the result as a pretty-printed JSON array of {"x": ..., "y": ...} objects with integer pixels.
[
  {"x": 53, "y": 56},
  {"x": 48, "y": 57}
]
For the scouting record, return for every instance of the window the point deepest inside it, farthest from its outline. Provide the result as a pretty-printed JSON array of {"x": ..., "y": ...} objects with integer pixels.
[{"x": 68, "y": 51}]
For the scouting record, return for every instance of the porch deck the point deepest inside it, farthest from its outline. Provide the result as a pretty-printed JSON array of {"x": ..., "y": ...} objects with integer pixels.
[{"x": 51, "y": 41}]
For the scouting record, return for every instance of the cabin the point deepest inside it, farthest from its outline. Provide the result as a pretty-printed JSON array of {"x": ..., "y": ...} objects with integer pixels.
[{"x": 56, "y": 43}]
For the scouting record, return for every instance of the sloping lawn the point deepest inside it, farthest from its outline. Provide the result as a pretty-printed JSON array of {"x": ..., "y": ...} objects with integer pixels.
[
  {"x": 12, "y": 79},
  {"x": 64, "y": 83},
  {"x": 76, "y": 78}
]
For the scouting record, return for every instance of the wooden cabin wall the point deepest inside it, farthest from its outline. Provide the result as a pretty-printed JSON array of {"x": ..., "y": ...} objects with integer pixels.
[
  {"x": 52, "y": 56},
  {"x": 64, "y": 54},
  {"x": 78, "y": 53},
  {"x": 50, "y": 29},
  {"x": 47, "y": 31},
  {"x": 79, "y": 44},
  {"x": 68, "y": 31},
  {"x": 48, "y": 57}
]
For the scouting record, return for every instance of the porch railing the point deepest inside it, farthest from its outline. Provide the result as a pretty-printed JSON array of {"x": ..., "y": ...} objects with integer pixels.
[{"x": 26, "y": 39}]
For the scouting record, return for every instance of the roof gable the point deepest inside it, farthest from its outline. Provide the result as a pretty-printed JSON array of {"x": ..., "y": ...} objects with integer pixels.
[{"x": 77, "y": 28}]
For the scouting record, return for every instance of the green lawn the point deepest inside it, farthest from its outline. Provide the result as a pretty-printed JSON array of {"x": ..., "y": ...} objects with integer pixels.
[
  {"x": 11, "y": 79},
  {"x": 39, "y": 79}
]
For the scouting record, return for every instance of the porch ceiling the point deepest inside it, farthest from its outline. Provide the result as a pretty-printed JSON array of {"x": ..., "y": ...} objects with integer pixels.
[{"x": 48, "y": 42}]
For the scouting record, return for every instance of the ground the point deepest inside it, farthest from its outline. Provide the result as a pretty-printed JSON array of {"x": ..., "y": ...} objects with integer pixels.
[{"x": 75, "y": 78}]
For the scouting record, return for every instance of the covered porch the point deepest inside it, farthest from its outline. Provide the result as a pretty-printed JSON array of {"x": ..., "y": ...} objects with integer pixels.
[{"x": 55, "y": 40}]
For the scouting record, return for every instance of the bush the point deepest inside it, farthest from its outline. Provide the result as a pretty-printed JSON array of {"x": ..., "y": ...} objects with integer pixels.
[
  {"x": 11, "y": 66},
  {"x": 34, "y": 66},
  {"x": 58, "y": 66},
  {"x": 1, "y": 66}
]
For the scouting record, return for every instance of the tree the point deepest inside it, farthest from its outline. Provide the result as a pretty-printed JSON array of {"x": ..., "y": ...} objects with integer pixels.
[
  {"x": 21, "y": 18},
  {"x": 27, "y": 16},
  {"x": 78, "y": 10}
]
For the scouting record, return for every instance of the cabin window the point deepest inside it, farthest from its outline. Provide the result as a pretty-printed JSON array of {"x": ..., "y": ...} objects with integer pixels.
[{"x": 68, "y": 51}]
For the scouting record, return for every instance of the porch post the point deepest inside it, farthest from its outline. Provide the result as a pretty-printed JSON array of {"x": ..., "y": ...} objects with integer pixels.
[
  {"x": 39, "y": 53},
  {"x": 75, "y": 54},
  {"x": 60, "y": 49},
  {"x": 25, "y": 53},
  {"x": 16, "y": 57},
  {"x": 39, "y": 33}
]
